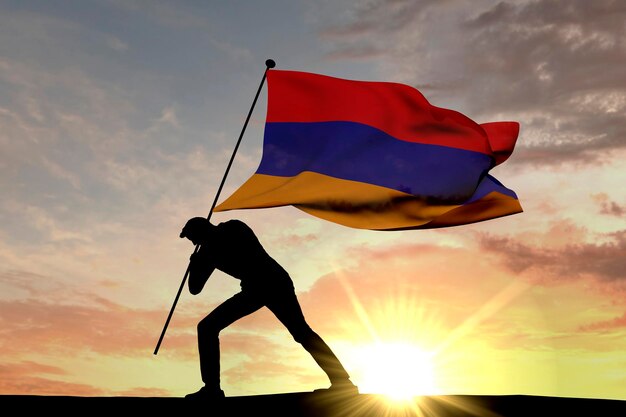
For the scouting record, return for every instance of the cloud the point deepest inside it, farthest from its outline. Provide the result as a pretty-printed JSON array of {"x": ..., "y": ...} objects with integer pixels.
[
  {"x": 49, "y": 227},
  {"x": 555, "y": 66},
  {"x": 36, "y": 326},
  {"x": 62, "y": 173},
  {"x": 234, "y": 52},
  {"x": 295, "y": 240},
  {"x": 116, "y": 43},
  {"x": 606, "y": 325},
  {"x": 384, "y": 16},
  {"x": 81, "y": 165},
  {"x": 58, "y": 319},
  {"x": 262, "y": 370},
  {"x": 604, "y": 262},
  {"x": 55, "y": 322},
  {"x": 608, "y": 206},
  {"x": 32, "y": 284},
  {"x": 145, "y": 392},
  {"x": 536, "y": 296},
  {"x": 168, "y": 15},
  {"x": 58, "y": 124},
  {"x": 32, "y": 378},
  {"x": 25, "y": 385},
  {"x": 29, "y": 367},
  {"x": 168, "y": 115},
  {"x": 248, "y": 357},
  {"x": 405, "y": 292}
]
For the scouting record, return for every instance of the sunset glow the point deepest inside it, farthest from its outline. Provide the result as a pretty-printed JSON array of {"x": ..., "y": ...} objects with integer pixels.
[{"x": 117, "y": 122}]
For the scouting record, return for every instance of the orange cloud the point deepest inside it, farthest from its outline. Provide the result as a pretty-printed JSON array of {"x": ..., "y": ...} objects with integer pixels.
[
  {"x": 259, "y": 370},
  {"x": 37, "y": 326},
  {"x": 25, "y": 378},
  {"x": 32, "y": 378},
  {"x": 434, "y": 294},
  {"x": 602, "y": 261},
  {"x": 78, "y": 321},
  {"x": 606, "y": 325},
  {"x": 29, "y": 367},
  {"x": 608, "y": 206},
  {"x": 402, "y": 285},
  {"x": 145, "y": 392},
  {"x": 295, "y": 240}
]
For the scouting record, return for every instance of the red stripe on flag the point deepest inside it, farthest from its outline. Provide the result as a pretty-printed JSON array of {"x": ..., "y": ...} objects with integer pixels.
[
  {"x": 397, "y": 109},
  {"x": 502, "y": 137}
]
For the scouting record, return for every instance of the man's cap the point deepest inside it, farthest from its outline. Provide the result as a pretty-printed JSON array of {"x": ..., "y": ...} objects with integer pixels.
[{"x": 194, "y": 223}]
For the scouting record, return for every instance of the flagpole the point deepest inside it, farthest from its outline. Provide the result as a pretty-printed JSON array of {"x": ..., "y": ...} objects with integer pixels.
[{"x": 270, "y": 63}]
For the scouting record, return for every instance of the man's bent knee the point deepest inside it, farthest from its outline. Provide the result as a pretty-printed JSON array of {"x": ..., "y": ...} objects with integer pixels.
[
  {"x": 209, "y": 326},
  {"x": 303, "y": 334}
]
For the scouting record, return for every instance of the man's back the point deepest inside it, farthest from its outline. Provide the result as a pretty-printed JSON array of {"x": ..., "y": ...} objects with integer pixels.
[{"x": 234, "y": 249}]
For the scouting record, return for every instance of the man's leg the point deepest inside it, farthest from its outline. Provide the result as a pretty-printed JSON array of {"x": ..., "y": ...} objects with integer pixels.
[
  {"x": 286, "y": 308},
  {"x": 231, "y": 310}
]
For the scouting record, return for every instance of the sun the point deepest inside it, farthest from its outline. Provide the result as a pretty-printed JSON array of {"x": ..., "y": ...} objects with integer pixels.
[
  {"x": 399, "y": 344},
  {"x": 398, "y": 370}
]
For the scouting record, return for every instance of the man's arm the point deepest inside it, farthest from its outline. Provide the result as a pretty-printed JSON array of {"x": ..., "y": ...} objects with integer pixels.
[{"x": 201, "y": 268}]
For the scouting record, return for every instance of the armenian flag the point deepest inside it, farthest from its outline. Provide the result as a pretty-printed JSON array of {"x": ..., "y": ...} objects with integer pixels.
[{"x": 375, "y": 155}]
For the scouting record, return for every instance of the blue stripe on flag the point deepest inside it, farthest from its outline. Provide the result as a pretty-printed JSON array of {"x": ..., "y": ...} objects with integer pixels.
[{"x": 362, "y": 153}]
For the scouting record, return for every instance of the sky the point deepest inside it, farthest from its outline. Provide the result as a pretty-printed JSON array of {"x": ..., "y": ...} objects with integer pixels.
[{"x": 117, "y": 120}]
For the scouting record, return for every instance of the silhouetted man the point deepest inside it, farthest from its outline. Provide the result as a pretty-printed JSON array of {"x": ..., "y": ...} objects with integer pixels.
[{"x": 233, "y": 248}]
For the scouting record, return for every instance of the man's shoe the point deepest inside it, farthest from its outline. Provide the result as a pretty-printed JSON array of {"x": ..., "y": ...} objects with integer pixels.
[
  {"x": 206, "y": 394},
  {"x": 340, "y": 388}
]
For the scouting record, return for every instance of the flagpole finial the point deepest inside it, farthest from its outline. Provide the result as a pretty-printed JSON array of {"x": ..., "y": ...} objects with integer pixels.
[{"x": 270, "y": 63}]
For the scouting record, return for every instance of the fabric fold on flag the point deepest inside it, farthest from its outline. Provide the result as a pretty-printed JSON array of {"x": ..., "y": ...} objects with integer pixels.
[{"x": 375, "y": 155}]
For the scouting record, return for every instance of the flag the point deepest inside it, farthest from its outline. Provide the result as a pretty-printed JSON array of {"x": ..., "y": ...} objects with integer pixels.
[{"x": 375, "y": 155}]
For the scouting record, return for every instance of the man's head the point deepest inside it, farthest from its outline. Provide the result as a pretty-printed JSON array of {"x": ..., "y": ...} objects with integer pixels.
[{"x": 196, "y": 229}]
